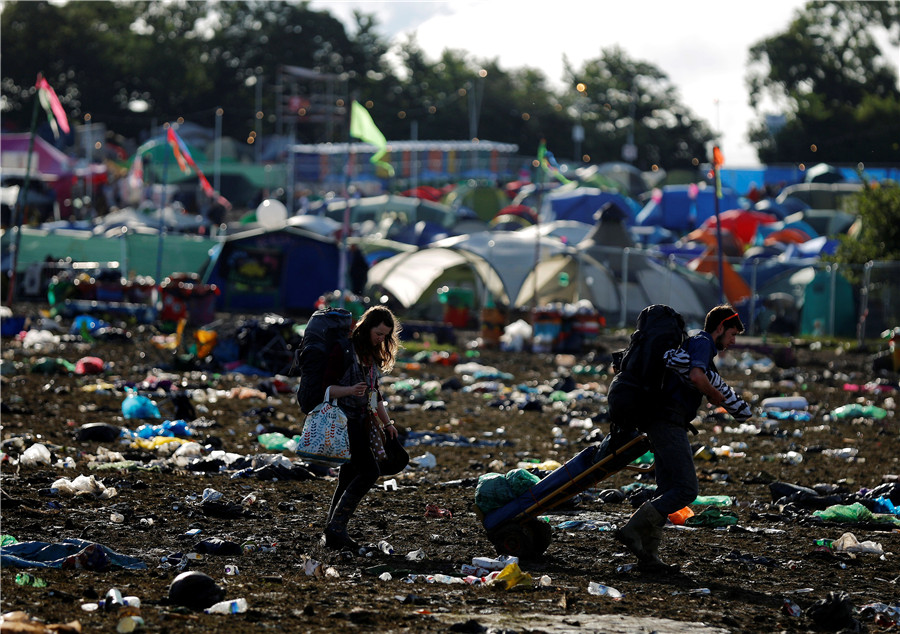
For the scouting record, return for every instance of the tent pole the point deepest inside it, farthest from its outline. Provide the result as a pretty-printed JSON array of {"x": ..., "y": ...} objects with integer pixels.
[{"x": 19, "y": 209}]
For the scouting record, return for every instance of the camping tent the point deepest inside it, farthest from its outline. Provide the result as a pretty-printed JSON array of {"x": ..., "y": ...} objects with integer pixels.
[
  {"x": 640, "y": 278},
  {"x": 48, "y": 164},
  {"x": 388, "y": 216},
  {"x": 496, "y": 263},
  {"x": 682, "y": 208},
  {"x": 582, "y": 204},
  {"x": 284, "y": 269}
]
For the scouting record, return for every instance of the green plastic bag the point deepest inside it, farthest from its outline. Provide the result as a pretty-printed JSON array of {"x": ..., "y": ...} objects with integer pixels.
[
  {"x": 278, "y": 441},
  {"x": 855, "y": 512},
  {"x": 712, "y": 516},
  {"x": 495, "y": 489},
  {"x": 713, "y": 500}
]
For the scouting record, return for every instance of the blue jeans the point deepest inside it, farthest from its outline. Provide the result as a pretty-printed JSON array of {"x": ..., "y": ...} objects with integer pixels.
[{"x": 676, "y": 477}]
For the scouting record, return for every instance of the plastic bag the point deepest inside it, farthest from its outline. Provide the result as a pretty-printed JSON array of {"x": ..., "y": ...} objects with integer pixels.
[
  {"x": 512, "y": 575},
  {"x": 495, "y": 489},
  {"x": 137, "y": 406},
  {"x": 712, "y": 516},
  {"x": 855, "y": 512},
  {"x": 34, "y": 455}
]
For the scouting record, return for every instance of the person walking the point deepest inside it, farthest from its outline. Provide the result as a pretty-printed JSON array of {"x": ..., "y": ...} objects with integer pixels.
[
  {"x": 375, "y": 341},
  {"x": 667, "y": 430}
]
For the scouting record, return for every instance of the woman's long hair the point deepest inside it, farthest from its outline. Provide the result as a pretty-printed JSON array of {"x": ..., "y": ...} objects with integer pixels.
[{"x": 384, "y": 355}]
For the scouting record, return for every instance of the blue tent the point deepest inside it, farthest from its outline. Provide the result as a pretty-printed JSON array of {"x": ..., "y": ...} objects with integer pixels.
[
  {"x": 678, "y": 211},
  {"x": 583, "y": 203},
  {"x": 284, "y": 269}
]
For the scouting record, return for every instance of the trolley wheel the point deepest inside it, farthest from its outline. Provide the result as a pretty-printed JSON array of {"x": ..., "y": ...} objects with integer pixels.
[
  {"x": 541, "y": 536},
  {"x": 512, "y": 539}
]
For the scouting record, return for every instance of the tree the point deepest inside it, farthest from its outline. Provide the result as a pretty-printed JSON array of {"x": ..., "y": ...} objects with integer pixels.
[
  {"x": 833, "y": 82},
  {"x": 624, "y": 100},
  {"x": 876, "y": 234}
]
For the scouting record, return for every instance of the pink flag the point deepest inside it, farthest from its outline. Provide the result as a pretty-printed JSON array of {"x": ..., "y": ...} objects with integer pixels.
[{"x": 50, "y": 102}]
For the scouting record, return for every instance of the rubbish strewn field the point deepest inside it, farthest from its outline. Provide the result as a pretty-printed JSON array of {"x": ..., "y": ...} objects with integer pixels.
[{"x": 763, "y": 573}]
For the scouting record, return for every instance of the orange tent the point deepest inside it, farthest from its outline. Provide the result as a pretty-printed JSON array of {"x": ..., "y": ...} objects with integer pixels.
[
  {"x": 732, "y": 246},
  {"x": 733, "y": 285},
  {"x": 787, "y": 236}
]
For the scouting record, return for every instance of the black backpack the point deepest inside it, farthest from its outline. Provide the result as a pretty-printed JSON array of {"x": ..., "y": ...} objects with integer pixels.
[
  {"x": 326, "y": 329},
  {"x": 641, "y": 368}
]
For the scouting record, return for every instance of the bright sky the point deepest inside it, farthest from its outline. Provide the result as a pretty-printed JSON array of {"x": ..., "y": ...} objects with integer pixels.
[{"x": 701, "y": 46}]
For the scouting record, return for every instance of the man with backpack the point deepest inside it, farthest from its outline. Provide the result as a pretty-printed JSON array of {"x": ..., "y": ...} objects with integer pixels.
[{"x": 664, "y": 411}]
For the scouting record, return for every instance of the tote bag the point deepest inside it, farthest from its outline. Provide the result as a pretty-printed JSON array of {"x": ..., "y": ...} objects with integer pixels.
[{"x": 324, "y": 438}]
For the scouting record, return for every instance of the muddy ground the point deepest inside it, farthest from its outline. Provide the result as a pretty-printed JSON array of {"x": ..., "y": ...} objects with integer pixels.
[{"x": 733, "y": 579}]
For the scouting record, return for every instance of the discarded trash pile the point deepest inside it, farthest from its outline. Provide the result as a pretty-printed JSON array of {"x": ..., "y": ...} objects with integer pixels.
[{"x": 144, "y": 487}]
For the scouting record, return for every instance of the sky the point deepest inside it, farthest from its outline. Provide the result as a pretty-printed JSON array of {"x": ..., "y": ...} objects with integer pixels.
[{"x": 701, "y": 46}]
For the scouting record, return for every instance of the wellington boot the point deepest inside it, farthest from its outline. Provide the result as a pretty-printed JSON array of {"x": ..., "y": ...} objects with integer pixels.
[
  {"x": 632, "y": 535},
  {"x": 651, "y": 561},
  {"x": 336, "y": 536},
  {"x": 338, "y": 539}
]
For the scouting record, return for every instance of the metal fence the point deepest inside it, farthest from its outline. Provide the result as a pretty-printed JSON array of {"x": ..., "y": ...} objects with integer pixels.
[{"x": 810, "y": 297}]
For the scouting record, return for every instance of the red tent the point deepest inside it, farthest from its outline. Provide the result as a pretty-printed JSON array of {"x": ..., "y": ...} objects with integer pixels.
[
  {"x": 425, "y": 192},
  {"x": 741, "y": 222}
]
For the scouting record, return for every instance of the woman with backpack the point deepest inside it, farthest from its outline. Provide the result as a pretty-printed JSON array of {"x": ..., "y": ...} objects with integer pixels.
[{"x": 354, "y": 382}]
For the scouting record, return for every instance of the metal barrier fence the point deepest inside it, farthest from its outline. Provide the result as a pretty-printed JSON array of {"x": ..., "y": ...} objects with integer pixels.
[{"x": 806, "y": 297}]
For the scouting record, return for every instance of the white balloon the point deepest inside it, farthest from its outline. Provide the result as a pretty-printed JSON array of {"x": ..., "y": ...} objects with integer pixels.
[{"x": 271, "y": 213}]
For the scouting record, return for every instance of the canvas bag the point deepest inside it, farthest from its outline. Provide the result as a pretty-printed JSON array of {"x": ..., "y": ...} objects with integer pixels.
[{"x": 325, "y": 439}]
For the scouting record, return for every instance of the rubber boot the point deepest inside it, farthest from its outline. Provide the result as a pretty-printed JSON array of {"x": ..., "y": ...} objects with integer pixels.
[
  {"x": 632, "y": 535},
  {"x": 336, "y": 535},
  {"x": 652, "y": 562}
]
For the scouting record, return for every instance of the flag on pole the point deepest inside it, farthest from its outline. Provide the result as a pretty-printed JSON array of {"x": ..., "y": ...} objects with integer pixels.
[
  {"x": 718, "y": 162},
  {"x": 179, "y": 149},
  {"x": 362, "y": 127},
  {"x": 186, "y": 162},
  {"x": 548, "y": 163},
  {"x": 50, "y": 102}
]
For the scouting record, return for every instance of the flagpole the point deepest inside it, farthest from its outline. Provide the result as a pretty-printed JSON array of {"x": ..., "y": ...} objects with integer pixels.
[
  {"x": 345, "y": 225},
  {"x": 18, "y": 209},
  {"x": 162, "y": 209},
  {"x": 537, "y": 236},
  {"x": 719, "y": 231}
]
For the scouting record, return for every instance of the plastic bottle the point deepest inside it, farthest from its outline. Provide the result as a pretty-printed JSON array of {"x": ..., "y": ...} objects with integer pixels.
[
  {"x": 385, "y": 547},
  {"x": 234, "y": 606},
  {"x": 442, "y": 578},
  {"x": 113, "y": 599},
  {"x": 129, "y": 624},
  {"x": 827, "y": 543},
  {"x": 791, "y": 609},
  {"x": 785, "y": 402},
  {"x": 599, "y": 589}
]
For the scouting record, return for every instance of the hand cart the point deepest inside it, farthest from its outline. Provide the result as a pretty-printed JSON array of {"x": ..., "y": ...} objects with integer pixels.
[{"x": 514, "y": 529}]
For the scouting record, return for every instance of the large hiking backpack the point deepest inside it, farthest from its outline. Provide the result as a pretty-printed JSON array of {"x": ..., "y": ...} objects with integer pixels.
[
  {"x": 326, "y": 328},
  {"x": 641, "y": 367}
]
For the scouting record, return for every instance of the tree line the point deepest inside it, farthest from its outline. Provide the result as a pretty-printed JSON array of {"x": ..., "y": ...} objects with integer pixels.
[{"x": 134, "y": 64}]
